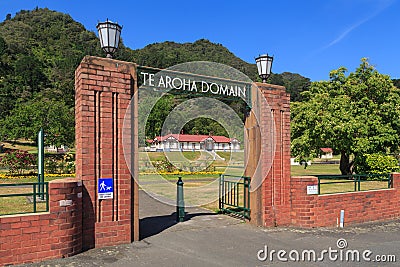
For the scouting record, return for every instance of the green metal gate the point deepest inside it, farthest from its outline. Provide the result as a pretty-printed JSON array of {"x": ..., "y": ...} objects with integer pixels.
[{"x": 234, "y": 195}]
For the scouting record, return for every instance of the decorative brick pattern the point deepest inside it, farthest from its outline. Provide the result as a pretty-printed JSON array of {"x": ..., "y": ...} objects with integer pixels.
[
  {"x": 276, "y": 186},
  {"x": 104, "y": 88},
  {"x": 40, "y": 236}
]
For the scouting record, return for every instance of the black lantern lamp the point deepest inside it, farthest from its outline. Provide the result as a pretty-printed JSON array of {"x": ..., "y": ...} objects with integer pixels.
[
  {"x": 264, "y": 66},
  {"x": 109, "y": 34}
]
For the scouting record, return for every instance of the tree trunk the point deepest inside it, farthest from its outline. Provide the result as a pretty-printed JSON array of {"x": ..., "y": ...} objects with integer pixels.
[{"x": 345, "y": 164}]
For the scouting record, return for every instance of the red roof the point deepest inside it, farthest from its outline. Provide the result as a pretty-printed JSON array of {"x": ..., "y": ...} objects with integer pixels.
[
  {"x": 193, "y": 138},
  {"x": 326, "y": 149}
]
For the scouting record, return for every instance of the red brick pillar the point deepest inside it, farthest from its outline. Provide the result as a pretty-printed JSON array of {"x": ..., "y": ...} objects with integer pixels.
[
  {"x": 270, "y": 204},
  {"x": 104, "y": 88},
  {"x": 277, "y": 182}
]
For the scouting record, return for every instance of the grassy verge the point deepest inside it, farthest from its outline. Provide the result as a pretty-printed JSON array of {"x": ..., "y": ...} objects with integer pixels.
[
  {"x": 315, "y": 169},
  {"x": 160, "y": 156},
  {"x": 20, "y": 204},
  {"x": 25, "y": 145},
  {"x": 344, "y": 186},
  {"x": 31, "y": 179}
]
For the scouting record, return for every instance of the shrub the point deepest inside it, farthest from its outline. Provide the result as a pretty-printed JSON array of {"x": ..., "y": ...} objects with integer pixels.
[
  {"x": 17, "y": 161},
  {"x": 60, "y": 164},
  {"x": 69, "y": 160},
  {"x": 378, "y": 163},
  {"x": 164, "y": 165}
]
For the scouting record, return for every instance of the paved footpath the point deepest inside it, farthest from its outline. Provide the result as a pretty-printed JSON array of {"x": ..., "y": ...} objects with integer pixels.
[{"x": 207, "y": 239}]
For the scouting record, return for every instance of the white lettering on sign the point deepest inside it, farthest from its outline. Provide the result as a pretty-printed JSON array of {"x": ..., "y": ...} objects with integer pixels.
[{"x": 189, "y": 85}]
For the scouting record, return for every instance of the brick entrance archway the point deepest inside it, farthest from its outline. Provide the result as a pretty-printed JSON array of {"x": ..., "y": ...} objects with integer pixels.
[{"x": 104, "y": 88}]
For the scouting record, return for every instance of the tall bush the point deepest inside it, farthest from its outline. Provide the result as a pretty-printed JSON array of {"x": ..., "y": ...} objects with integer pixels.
[
  {"x": 17, "y": 161},
  {"x": 378, "y": 163}
]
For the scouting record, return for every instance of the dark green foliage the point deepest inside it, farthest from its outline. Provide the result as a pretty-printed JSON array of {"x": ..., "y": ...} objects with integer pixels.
[
  {"x": 30, "y": 71},
  {"x": 294, "y": 84},
  {"x": 40, "y": 50},
  {"x": 3, "y": 46},
  {"x": 204, "y": 126},
  {"x": 159, "y": 113},
  {"x": 396, "y": 83},
  {"x": 167, "y": 54},
  {"x": 377, "y": 163},
  {"x": 26, "y": 119}
]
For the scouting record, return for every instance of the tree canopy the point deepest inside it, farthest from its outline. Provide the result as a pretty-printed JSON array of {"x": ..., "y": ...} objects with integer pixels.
[
  {"x": 40, "y": 50},
  {"x": 53, "y": 115},
  {"x": 356, "y": 115}
]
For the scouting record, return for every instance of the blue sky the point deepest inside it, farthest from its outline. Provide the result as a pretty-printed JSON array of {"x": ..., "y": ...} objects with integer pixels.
[{"x": 306, "y": 37}]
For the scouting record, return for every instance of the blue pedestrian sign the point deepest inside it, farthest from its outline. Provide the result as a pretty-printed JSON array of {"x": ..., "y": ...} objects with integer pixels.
[{"x": 105, "y": 188}]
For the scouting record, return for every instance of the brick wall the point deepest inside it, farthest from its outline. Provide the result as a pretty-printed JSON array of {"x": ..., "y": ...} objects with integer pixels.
[
  {"x": 283, "y": 199},
  {"x": 104, "y": 88},
  {"x": 359, "y": 207},
  {"x": 55, "y": 234},
  {"x": 276, "y": 186}
]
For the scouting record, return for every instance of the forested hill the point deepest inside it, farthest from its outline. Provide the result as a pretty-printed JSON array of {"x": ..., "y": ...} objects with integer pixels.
[
  {"x": 167, "y": 54},
  {"x": 40, "y": 50}
]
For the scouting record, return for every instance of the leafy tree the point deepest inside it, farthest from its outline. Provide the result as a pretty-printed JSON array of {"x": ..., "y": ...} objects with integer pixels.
[
  {"x": 355, "y": 115},
  {"x": 204, "y": 126},
  {"x": 26, "y": 119},
  {"x": 157, "y": 116},
  {"x": 29, "y": 70}
]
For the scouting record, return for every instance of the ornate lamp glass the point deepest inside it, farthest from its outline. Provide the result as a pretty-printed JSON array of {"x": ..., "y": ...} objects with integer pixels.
[
  {"x": 109, "y": 34},
  {"x": 264, "y": 66}
]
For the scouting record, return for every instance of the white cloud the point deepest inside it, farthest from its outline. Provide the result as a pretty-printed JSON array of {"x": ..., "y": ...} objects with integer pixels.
[{"x": 382, "y": 5}]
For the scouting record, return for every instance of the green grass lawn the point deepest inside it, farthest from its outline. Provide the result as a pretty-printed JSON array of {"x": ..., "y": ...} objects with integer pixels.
[
  {"x": 173, "y": 156},
  {"x": 342, "y": 185},
  {"x": 315, "y": 169},
  {"x": 348, "y": 186},
  {"x": 21, "y": 145},
  {"x": 19, "y": 204},
  {"x": 232, "y": 156}
]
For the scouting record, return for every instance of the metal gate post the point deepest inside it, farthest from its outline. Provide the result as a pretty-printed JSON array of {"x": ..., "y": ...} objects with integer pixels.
[
  {"x": 180, "y": 203},
  {"x": 41, "y": 164}
]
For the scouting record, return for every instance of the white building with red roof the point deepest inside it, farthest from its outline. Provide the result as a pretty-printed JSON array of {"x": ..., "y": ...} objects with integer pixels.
[
  {"x": 326, "y": 153},
  {"x": 189, "y": 142}
]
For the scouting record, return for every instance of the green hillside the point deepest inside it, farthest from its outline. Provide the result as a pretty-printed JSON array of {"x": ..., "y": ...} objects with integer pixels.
[{"x": 40, "y": 50}]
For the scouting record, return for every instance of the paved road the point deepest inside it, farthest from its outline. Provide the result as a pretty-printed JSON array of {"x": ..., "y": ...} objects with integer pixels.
[{"x": 207, "y": 239}]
